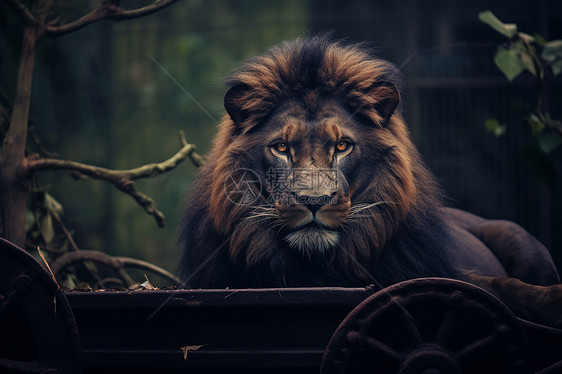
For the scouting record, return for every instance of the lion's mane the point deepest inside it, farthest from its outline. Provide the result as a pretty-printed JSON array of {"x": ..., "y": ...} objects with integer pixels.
[{"x": 403, "y": 238}]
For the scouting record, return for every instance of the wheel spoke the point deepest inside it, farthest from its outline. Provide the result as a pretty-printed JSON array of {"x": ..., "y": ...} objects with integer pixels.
[
  {"x": 476, "y": 346},
  {"x": 410, "y": 326},
  {"x": 374, "y": 345},
  {"x": 446, "y": 326}
]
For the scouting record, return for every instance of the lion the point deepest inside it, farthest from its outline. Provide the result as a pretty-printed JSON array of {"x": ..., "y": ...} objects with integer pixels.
[{"x": 313, "y": 180}]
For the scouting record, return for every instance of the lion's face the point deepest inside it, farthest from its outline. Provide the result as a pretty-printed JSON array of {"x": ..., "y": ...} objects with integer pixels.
[
  {"x": 333, "y": 155},
  {"x": 308, "y": 165}
]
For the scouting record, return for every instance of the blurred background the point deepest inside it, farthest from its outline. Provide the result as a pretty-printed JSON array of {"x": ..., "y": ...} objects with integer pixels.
[{"x": 99, "y": 98}]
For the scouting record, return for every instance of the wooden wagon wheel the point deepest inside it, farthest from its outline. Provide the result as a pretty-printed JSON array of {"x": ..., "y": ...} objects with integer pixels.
[
  {"x": 428, "y": 326},
  {"x": 38, "y": 333}
]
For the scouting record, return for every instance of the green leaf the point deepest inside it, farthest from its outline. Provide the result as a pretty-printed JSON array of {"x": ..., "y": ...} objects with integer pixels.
[
  {"x": 509, "y": 62},
  {"x": 492, "y": 125},
  {"x": 552, "y": 50},
  {"x": 540, "y": 39},
  {"x": 556, "y": 67},
  {"x": 549, "y": 140},
  {"x": 52, "y": 205},
  {"x": 46, "y": 228},
  {"x": 507, "y": 29}
]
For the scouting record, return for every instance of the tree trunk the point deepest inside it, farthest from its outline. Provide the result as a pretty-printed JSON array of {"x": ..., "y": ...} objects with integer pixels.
[{"x": 14, "y": 176}]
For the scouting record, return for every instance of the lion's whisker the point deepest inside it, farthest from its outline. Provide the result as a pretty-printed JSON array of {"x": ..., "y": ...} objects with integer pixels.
[
  {"x": 281, "y": 227},
  {"x": 260, "y": 215},
  {"x": 344, "y": 227},
  {"x": 354, "y": 210},
  {"x": 363, "y": 216},
  {"x": 262, "y": 212}
]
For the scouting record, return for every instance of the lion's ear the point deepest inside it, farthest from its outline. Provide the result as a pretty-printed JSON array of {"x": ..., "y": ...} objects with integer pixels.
[
  {"x": 234, "y": 102},
  {"x": 387, "y": 98}
]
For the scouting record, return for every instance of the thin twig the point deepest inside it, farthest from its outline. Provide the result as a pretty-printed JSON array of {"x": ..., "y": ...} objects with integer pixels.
[
  {"x": 52, "y": 275},
  {"x": 56, "y": 251},
  {"x": 89, "y": 266},
  {"x": 195, "y": 157},
  {"x": 24, "y": 13},
  {"x": 67, "y": 233},
  {"x": 106, "y": 10},
  {"x": 37, "y": 141}
]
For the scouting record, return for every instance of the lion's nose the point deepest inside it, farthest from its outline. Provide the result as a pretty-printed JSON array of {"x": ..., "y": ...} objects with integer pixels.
[
  {"x": 314, "y": 203},
  {"x": 313, "y": 207}
]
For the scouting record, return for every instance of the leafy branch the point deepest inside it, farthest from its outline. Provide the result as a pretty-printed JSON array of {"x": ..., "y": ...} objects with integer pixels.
[{"x": 542, "y": 59}]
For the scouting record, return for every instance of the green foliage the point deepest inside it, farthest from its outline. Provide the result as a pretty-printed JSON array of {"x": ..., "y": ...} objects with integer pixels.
[
  {"x": 492, "y": 125},
  {"x": 42, "y": 221},
  {"x": 507, "y": 29},
  {"x": 509, "y": 62},
  {"x": 543, "y": 59},
  {"x": 549, "y": 140},
  {"x": 552, "y": 53}
]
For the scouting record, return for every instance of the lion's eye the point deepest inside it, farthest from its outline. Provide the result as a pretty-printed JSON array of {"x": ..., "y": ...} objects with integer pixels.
[
  {"x": 281, "y": 147},
  {"x": 342, "y": 146}
]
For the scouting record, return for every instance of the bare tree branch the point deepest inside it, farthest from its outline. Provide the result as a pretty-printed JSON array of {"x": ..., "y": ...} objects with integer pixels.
[
  {"x": 24, "y": 13},
  {"x": 116, "y": 263},
  {"x": 67, "y": 233},
  {"x": 114, "y": 176},
  {"x": 37, "y": 141},
  {"x": 143, "y": 200},
  {"x": 13, "y": 185},
  {"x": 108, "y": 9},
  {"x": 122, "y": 179},
  {"x": 195, "y": 157}
]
